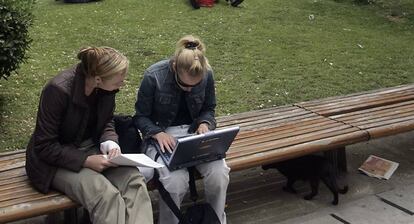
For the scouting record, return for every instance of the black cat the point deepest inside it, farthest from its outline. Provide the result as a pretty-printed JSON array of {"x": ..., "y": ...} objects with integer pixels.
[{"x": 310, "y": 168}]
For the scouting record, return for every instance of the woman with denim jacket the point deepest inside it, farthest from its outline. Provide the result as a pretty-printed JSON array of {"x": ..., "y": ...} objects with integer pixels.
[{"x": 177, "y": 97}]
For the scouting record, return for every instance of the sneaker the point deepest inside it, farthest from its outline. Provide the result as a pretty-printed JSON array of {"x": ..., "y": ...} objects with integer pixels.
[
  {"x": 235, "y": 3},
  {"x": 194, "y": 4}
]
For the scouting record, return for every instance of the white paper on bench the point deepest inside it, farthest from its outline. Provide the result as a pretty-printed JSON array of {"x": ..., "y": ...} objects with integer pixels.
[{"x": 140, "y": 160}]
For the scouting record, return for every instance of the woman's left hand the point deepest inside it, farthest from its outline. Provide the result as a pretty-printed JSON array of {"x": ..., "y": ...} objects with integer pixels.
[
  {"x": 202, "y": 128},
  {"x": 114, "y": 153}
]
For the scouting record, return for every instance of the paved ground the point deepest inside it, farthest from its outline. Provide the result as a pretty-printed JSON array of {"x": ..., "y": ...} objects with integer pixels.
[{"x": 256, "y": 196}]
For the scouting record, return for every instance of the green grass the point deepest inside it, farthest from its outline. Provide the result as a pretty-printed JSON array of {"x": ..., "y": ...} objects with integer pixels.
[{"x": 264, "y": 53}]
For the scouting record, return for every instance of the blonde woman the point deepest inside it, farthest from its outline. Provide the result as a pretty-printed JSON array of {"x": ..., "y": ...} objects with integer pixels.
[
  {"x": 74, "y": 128},
  {"x": 176, "y": 97}
]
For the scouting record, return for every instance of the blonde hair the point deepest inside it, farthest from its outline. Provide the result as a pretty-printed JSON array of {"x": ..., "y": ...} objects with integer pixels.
[
  {"x": 104, "y": 62},
  {"x": 189, "y": 56}
]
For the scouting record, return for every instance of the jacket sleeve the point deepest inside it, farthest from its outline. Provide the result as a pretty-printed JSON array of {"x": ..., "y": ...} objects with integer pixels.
[
  {"x": 143, "y": 108},
  {"x": 52, "y": 107},
  {"x": 108, "y": 132},
  {"x": 207, "y": 113}
]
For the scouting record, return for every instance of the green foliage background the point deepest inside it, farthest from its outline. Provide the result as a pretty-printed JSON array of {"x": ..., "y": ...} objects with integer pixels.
[{"x": 15, "y": 20}]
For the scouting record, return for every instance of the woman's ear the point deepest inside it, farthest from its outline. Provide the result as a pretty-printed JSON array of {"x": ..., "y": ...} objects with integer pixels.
[{"x": 98, "y": 80}]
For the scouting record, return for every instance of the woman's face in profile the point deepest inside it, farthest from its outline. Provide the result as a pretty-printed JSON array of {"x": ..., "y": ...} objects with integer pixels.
[{"x": 113, "y": 83}]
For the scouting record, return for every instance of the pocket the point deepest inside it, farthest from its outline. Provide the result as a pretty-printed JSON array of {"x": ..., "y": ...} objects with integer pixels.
[{"x": 164, "y": 99}]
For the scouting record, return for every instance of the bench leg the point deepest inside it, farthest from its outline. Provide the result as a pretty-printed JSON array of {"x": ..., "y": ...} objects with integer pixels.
[
  {"x": 71, "y": 216},
  {"x": 338, "y": 159}
]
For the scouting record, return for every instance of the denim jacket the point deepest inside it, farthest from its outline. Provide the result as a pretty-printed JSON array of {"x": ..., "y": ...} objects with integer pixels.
[{"x": 159, "y": 98}]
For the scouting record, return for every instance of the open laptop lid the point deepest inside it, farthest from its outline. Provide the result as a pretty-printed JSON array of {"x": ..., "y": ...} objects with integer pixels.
[{"x": 197, "y": 149}]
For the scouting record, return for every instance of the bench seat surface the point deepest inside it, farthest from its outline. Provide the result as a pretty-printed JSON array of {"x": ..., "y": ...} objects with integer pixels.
[{"x": 265, "y": 136}]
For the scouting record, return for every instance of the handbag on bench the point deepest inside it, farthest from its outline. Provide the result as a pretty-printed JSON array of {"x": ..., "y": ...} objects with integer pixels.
[
  {"x": 128, "y": 135},
  {"x": 198, "y": 213}
]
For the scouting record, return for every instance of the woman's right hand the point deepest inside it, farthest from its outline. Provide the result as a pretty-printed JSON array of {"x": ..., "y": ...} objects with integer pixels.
[
  {"x": 98, "y": 163},
  {"x": 166, "y": 141}
]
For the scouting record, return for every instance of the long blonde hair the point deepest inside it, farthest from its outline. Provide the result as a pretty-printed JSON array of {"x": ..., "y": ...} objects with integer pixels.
[
  {"x": 189, "y": 56},
  {"x": 102, "y": 61}
]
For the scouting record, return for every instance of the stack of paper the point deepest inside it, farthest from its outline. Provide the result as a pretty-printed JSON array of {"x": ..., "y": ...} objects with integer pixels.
[{"x": 139, "y": 160}]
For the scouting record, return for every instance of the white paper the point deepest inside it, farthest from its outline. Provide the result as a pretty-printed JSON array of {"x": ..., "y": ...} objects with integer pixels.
[
  {"x": 139, "y": 160},
  {"x": 378, "y": 167}
]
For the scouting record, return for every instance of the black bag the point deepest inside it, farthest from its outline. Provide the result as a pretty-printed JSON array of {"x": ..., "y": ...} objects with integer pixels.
[
  {"x": 128, "y": 135},
  {"x": 198, "y": 213}
]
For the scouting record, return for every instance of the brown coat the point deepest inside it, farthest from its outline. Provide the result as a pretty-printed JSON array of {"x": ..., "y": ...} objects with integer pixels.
[{"x": 61, "y": 122}]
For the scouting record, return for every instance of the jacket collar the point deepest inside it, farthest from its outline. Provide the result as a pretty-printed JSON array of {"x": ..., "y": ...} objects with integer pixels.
[{"x": 79, "y": 87}]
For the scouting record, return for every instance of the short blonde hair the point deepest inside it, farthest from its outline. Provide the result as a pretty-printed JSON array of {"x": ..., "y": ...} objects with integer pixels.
[
  {"x": 189, "y": 56},
  {"x": 104, "y": 62}
]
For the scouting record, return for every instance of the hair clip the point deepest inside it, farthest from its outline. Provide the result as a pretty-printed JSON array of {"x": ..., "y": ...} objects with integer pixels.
[{"x": 191, "y": 45}]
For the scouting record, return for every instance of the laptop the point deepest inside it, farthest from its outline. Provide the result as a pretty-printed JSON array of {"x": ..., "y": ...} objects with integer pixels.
[{"x": 196, "y": 149}]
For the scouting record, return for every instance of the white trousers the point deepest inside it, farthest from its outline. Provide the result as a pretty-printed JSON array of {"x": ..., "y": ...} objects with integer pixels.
[{"x": 215, "y": 177}]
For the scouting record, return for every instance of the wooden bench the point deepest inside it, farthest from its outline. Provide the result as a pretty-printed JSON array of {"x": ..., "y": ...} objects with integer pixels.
[{"x": 266, "y": 136}]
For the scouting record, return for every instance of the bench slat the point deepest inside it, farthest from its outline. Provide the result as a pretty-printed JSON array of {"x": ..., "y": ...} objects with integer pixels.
[
  {"x": 401, "y": 107},
  {"x": 17, "y": 172},
  {"x": 30, "y": 208},
  {"x": 250, "y": 133},
  {"x": 274, "y": 134},
  {"x": 366, "y": 94},
  {"x": 390, "y": 97},
  {"x": 391, "y": 129},
  {"x": 270, "y": 156},
  {"x": 362, "y": 105},
  {"x": 255, "y": 113},
  {"x": 259, "y": 147}
]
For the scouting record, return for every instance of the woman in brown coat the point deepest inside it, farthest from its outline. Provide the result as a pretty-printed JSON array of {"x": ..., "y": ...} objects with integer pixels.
[{"x": 74, "y": 128}]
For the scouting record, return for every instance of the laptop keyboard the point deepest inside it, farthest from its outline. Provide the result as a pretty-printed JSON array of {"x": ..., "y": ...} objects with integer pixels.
[{"x": 167, "y": 154}]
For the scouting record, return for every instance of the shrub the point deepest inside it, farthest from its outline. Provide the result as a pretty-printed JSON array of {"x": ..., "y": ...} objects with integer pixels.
[{"x": 15, "y": 19}]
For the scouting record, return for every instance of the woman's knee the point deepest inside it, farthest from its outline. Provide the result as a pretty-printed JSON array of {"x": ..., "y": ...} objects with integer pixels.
[
  {"x": 176, "y": 181},
  {"x": 216, "y": 170}
]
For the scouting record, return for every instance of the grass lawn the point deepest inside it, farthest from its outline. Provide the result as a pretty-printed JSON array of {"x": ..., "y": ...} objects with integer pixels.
[{"x": 264, "y": 53}]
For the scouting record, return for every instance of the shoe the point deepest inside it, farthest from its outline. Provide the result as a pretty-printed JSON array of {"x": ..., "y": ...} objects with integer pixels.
[
  {"x": 194, "y": 4},
  {"x": 235, "y": 3}
]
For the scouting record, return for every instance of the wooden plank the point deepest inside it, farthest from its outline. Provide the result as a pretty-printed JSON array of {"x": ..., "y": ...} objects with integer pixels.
[
  {"x": 379, "y": 99},
  {"x": 17, "y": 172},
  {"x": 361, "y": 106},
  {"x": 260, "y": 147},
  {"x": 398, "y": 106},
  {"x": 270, "y": 121},
  {"x": 12, "y": 180},
  {"x": 35, "y": 208},
  {"x": 287, "y": 132},
  {"x": 381, "y": 112},
  {"x": 256, "y": 113},
  {"x": 15, "y": 155},
  {"x": 372, "y": 93},
  {"x": 371, "y": 210},
  {"x": 391, "y": 129},
  {"x": 384, "y": 122},
  {"x": 270, "y": 156},
  {"x": 275, "y": 123},
  {"x": 13, "y": 165},
  {"x": 287, "y": 127},
  {"x": 403, "y": 197},
  {"x": 9, "y": 153},
  {"x": 13, "y": 184},
  {"x": 12, "y": 194}
]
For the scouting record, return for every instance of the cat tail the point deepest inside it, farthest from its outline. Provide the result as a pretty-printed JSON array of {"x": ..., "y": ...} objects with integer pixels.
[{"x": 343, "y": 190}]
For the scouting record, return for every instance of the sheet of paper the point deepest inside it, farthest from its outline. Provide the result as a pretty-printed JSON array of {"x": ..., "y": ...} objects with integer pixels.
[
  {"x": 140, "y": 160},
  {"x": 378, "y": 167}
]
